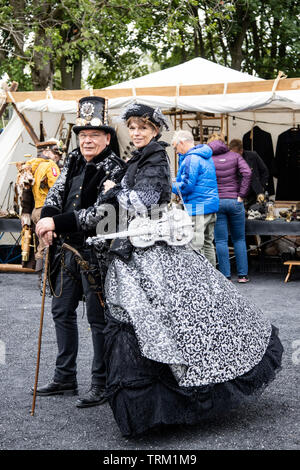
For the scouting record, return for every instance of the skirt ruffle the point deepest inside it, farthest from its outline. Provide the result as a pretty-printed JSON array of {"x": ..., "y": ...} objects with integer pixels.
[{"x": 144, "y": 394}]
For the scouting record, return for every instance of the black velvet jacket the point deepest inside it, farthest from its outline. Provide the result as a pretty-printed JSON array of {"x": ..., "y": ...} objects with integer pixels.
[{"x": 148, "y": 169}]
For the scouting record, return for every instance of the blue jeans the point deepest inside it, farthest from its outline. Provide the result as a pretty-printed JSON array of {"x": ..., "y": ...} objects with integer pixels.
[{"x": 231, "y": 216}]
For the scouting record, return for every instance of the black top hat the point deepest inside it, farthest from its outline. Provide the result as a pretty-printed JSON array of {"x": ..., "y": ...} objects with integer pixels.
[{"x": 92, "y": 115}]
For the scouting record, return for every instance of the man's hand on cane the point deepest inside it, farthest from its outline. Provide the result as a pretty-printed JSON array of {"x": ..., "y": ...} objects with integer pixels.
[
  {"x": 45, "y": 230},
  {"x": 48, "y": 237}
]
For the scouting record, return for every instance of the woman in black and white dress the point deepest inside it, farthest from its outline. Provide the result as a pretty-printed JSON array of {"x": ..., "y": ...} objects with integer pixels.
[{"x": 182, "y": 343}]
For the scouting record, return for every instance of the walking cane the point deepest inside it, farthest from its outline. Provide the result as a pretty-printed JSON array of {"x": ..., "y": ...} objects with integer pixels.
[{"x": 41, "y": 329}]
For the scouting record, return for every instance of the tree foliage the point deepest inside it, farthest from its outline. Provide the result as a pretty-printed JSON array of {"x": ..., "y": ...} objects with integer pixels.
[
  {"x": 56, "y": 43},
  {"x": 52, "y": 39},
  {"x": 258, "y": 37}
]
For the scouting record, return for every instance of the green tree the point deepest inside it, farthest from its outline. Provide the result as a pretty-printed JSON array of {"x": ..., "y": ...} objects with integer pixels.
[
  {"x": 50, "y": 41},
  {"x": 55, "y": 43},
  {"x": 259, "y": 37}
]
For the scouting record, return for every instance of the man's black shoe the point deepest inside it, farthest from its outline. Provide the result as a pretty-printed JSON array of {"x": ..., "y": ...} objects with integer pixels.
[
  {"x": 96, "y": 396},
  {"x": 55, "y": 388}
]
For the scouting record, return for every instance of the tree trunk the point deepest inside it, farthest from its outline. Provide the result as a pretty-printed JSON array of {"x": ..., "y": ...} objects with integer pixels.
[
  {"x": 43, "y": 68},
  {"x": 199, "y": 48},
  {"x": 235, "y": 48},
  {"x": 42, "y": 73},
  {"x": 223, "y": 45},
  {"x": 71, "y": 79},
  {"x": 256, "y": 42},
  {"x": 238, "y": 37},
  {"x": 274, "y": 39}
]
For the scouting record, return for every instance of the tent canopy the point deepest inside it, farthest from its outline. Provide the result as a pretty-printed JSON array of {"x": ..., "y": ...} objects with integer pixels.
[
  {"x": 196, "y": 85},
  {"x": 193, "y": 72},
  {"x": 221, "y": 90}
]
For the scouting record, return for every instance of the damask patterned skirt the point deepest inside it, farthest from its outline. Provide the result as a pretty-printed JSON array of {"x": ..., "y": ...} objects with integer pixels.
[{"x": 182, "y": 343}]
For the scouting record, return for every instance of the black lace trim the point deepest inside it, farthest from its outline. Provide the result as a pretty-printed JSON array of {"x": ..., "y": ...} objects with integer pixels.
[{"x": 143, "y": 393}]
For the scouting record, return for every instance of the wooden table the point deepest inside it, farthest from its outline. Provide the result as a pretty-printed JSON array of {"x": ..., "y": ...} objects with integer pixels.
[
  {"x": 10, "y": 225},
  {"x": 278, "y": 228},
  {"x": 290, "y": 264}
]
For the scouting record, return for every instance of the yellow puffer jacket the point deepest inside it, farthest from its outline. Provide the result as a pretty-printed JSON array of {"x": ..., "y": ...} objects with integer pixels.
[{"x": 45, "y": 174}]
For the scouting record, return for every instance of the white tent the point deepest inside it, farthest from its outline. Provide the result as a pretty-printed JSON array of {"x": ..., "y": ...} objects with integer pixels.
[
  {"x": 15, "y": 141},
  {"x": 219, "y": 99},
  {"x": 197, "y": 85},
  {"x": 193, "y": 72}
]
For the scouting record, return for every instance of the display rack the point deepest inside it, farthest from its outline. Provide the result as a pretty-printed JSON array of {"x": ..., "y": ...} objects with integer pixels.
[{"x": 202, "y": 124}]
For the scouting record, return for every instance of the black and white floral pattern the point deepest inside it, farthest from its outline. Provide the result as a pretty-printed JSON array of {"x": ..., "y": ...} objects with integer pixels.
[
  {"x": 137, "y": 201},
  {"x": 186, "y": 314}
]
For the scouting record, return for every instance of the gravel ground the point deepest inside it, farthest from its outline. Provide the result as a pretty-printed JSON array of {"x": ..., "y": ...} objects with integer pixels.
[{"x": 271, "y": 423}]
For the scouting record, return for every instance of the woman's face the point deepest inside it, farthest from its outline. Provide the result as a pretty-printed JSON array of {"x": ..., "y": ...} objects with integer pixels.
[{"x": 141, "y": 133}]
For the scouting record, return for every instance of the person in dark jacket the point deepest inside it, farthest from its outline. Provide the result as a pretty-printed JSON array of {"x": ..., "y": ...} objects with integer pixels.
[
  {"x": 260, "y": 141},
  {"x": 234, "y": 179},
  {"x": 70, "y": 214},
  {"x": 196, "y": 183},
  {"x": 260, "y": 172}
]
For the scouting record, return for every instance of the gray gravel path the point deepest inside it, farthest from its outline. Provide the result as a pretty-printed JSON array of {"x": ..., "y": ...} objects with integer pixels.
[{"x": 271, "y": 423}]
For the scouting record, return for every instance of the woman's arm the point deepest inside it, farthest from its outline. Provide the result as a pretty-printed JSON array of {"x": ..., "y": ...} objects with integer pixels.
[{"x": 138, "y": 199}]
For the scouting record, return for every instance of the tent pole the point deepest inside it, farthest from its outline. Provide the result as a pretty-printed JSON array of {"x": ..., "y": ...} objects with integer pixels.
[
  {"x": 227, "y": 128},
  {"x": 26, "y": 124},
  {"x": 13, "y": 87}
]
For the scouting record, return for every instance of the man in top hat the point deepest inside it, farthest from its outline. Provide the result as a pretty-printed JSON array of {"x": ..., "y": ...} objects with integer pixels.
[
  {"x": 45, "y": 171},
  {"x": 70, "y": 215}
]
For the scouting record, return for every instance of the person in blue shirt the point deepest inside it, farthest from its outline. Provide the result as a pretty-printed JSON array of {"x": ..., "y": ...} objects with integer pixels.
[{"x": 196, "y": 183}]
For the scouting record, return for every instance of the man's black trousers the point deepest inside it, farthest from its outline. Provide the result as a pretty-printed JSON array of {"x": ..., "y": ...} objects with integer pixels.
[{"x": 65, "y": 319}]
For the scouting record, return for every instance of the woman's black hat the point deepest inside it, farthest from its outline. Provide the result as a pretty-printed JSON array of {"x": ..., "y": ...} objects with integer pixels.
[
  {"x": 92, "y": 115},
  {"x": 142, "y": 110}
]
